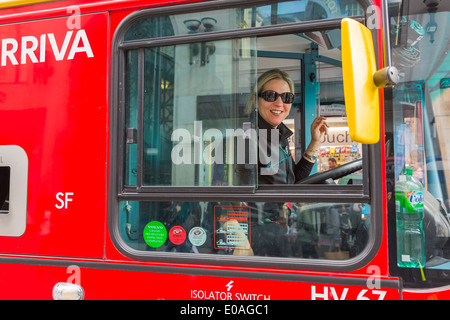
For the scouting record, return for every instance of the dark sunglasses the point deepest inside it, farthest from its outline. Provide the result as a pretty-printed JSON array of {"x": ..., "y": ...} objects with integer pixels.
[{"x": 271, "y": 96}]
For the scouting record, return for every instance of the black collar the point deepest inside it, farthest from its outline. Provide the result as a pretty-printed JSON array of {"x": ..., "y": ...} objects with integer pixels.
[{"x": 285, "y": 132}]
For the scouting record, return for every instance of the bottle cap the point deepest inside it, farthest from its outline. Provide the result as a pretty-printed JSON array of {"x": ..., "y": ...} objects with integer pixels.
[{"x": 408, "y": 171}]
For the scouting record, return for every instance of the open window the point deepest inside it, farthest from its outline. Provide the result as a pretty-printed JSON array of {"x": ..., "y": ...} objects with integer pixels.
[
  {"x": 187, "y": 129},
  {"x": 184, "y": 154}
]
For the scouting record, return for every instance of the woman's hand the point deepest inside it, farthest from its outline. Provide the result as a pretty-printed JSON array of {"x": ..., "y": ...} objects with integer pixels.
[{"x": 319, "y": 128}]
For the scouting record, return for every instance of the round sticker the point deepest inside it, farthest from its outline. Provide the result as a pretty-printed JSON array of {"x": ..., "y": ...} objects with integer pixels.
[
  {"x": 155, "y": 234},
  {"x": 177, "y": 235},
  {"x": 197, "y": 236}
]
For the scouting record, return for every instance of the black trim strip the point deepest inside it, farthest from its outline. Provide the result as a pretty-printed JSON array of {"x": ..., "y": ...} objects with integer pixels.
[
  {"x": 140, "y": 112},
  {"x": 189, "y": 190},
  {"x": 281, "y": 193},
  {"x": 316, "y": 25}
]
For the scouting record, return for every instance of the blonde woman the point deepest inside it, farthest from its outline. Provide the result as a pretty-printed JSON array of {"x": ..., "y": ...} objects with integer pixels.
[{"x": 274, "y": 97}]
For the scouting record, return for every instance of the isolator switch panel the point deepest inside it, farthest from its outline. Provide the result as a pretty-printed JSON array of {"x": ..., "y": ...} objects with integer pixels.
[
  {"x": 13, "y": 190},
  {"x": 5, "y": 181}
]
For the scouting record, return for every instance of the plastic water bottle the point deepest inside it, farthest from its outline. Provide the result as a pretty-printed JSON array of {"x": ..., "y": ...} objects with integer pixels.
[{"x": 410, "y": 213}]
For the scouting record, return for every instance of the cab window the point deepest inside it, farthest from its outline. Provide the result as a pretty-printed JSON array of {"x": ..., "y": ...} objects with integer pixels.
[{"x": 186, "y": 159}]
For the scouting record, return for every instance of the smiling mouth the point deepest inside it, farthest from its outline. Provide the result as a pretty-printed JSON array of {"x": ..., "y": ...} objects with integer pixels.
[{"x": 276, "y": 112}]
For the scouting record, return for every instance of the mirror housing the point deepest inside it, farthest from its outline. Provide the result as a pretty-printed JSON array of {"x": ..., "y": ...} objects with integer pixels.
[{"x": 362, "y": 81}]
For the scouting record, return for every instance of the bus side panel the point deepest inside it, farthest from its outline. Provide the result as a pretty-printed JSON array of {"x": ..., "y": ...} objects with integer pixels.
[
  {"x": 53, "y": 104},
  {"x": 38, "y": 281}
]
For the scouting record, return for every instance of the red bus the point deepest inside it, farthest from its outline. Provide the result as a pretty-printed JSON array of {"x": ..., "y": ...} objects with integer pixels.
[{"x": 124, "y": 128}]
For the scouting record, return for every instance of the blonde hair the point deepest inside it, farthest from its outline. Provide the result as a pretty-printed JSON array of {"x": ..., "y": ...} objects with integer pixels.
[{"x": 262, "y": 80}]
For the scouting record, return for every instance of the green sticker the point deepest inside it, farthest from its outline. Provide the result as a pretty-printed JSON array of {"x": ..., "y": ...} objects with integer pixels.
[{"x": 155, "y": 234}]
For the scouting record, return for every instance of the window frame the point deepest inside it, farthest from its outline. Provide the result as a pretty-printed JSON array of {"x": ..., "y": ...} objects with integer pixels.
[{"x": 368, "y": 192}]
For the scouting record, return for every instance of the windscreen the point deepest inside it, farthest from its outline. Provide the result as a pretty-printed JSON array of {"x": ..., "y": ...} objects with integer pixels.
[{"x": 417, "y": 145}]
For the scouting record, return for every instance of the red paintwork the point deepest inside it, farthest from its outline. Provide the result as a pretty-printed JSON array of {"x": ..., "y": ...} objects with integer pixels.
[
  {"x": 65, "y": 100},
  {"x": 58, "y": 111}
]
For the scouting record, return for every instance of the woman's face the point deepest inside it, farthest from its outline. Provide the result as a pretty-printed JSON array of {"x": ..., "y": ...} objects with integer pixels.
[{"x": 274, "y": 112}]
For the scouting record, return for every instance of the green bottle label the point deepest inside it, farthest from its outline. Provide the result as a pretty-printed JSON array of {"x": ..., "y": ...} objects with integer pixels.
[{"x": 411, "y": 201}]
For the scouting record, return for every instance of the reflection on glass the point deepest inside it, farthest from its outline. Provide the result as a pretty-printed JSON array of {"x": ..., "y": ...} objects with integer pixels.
[
  {"x": 194, "y": 114},
  {"x": 196, "y": 124},
  {"x": 241, "y": 18}
]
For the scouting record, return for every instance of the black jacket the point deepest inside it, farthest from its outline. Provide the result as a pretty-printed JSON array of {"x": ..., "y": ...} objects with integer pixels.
[{"x": 284, "y": 170}]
